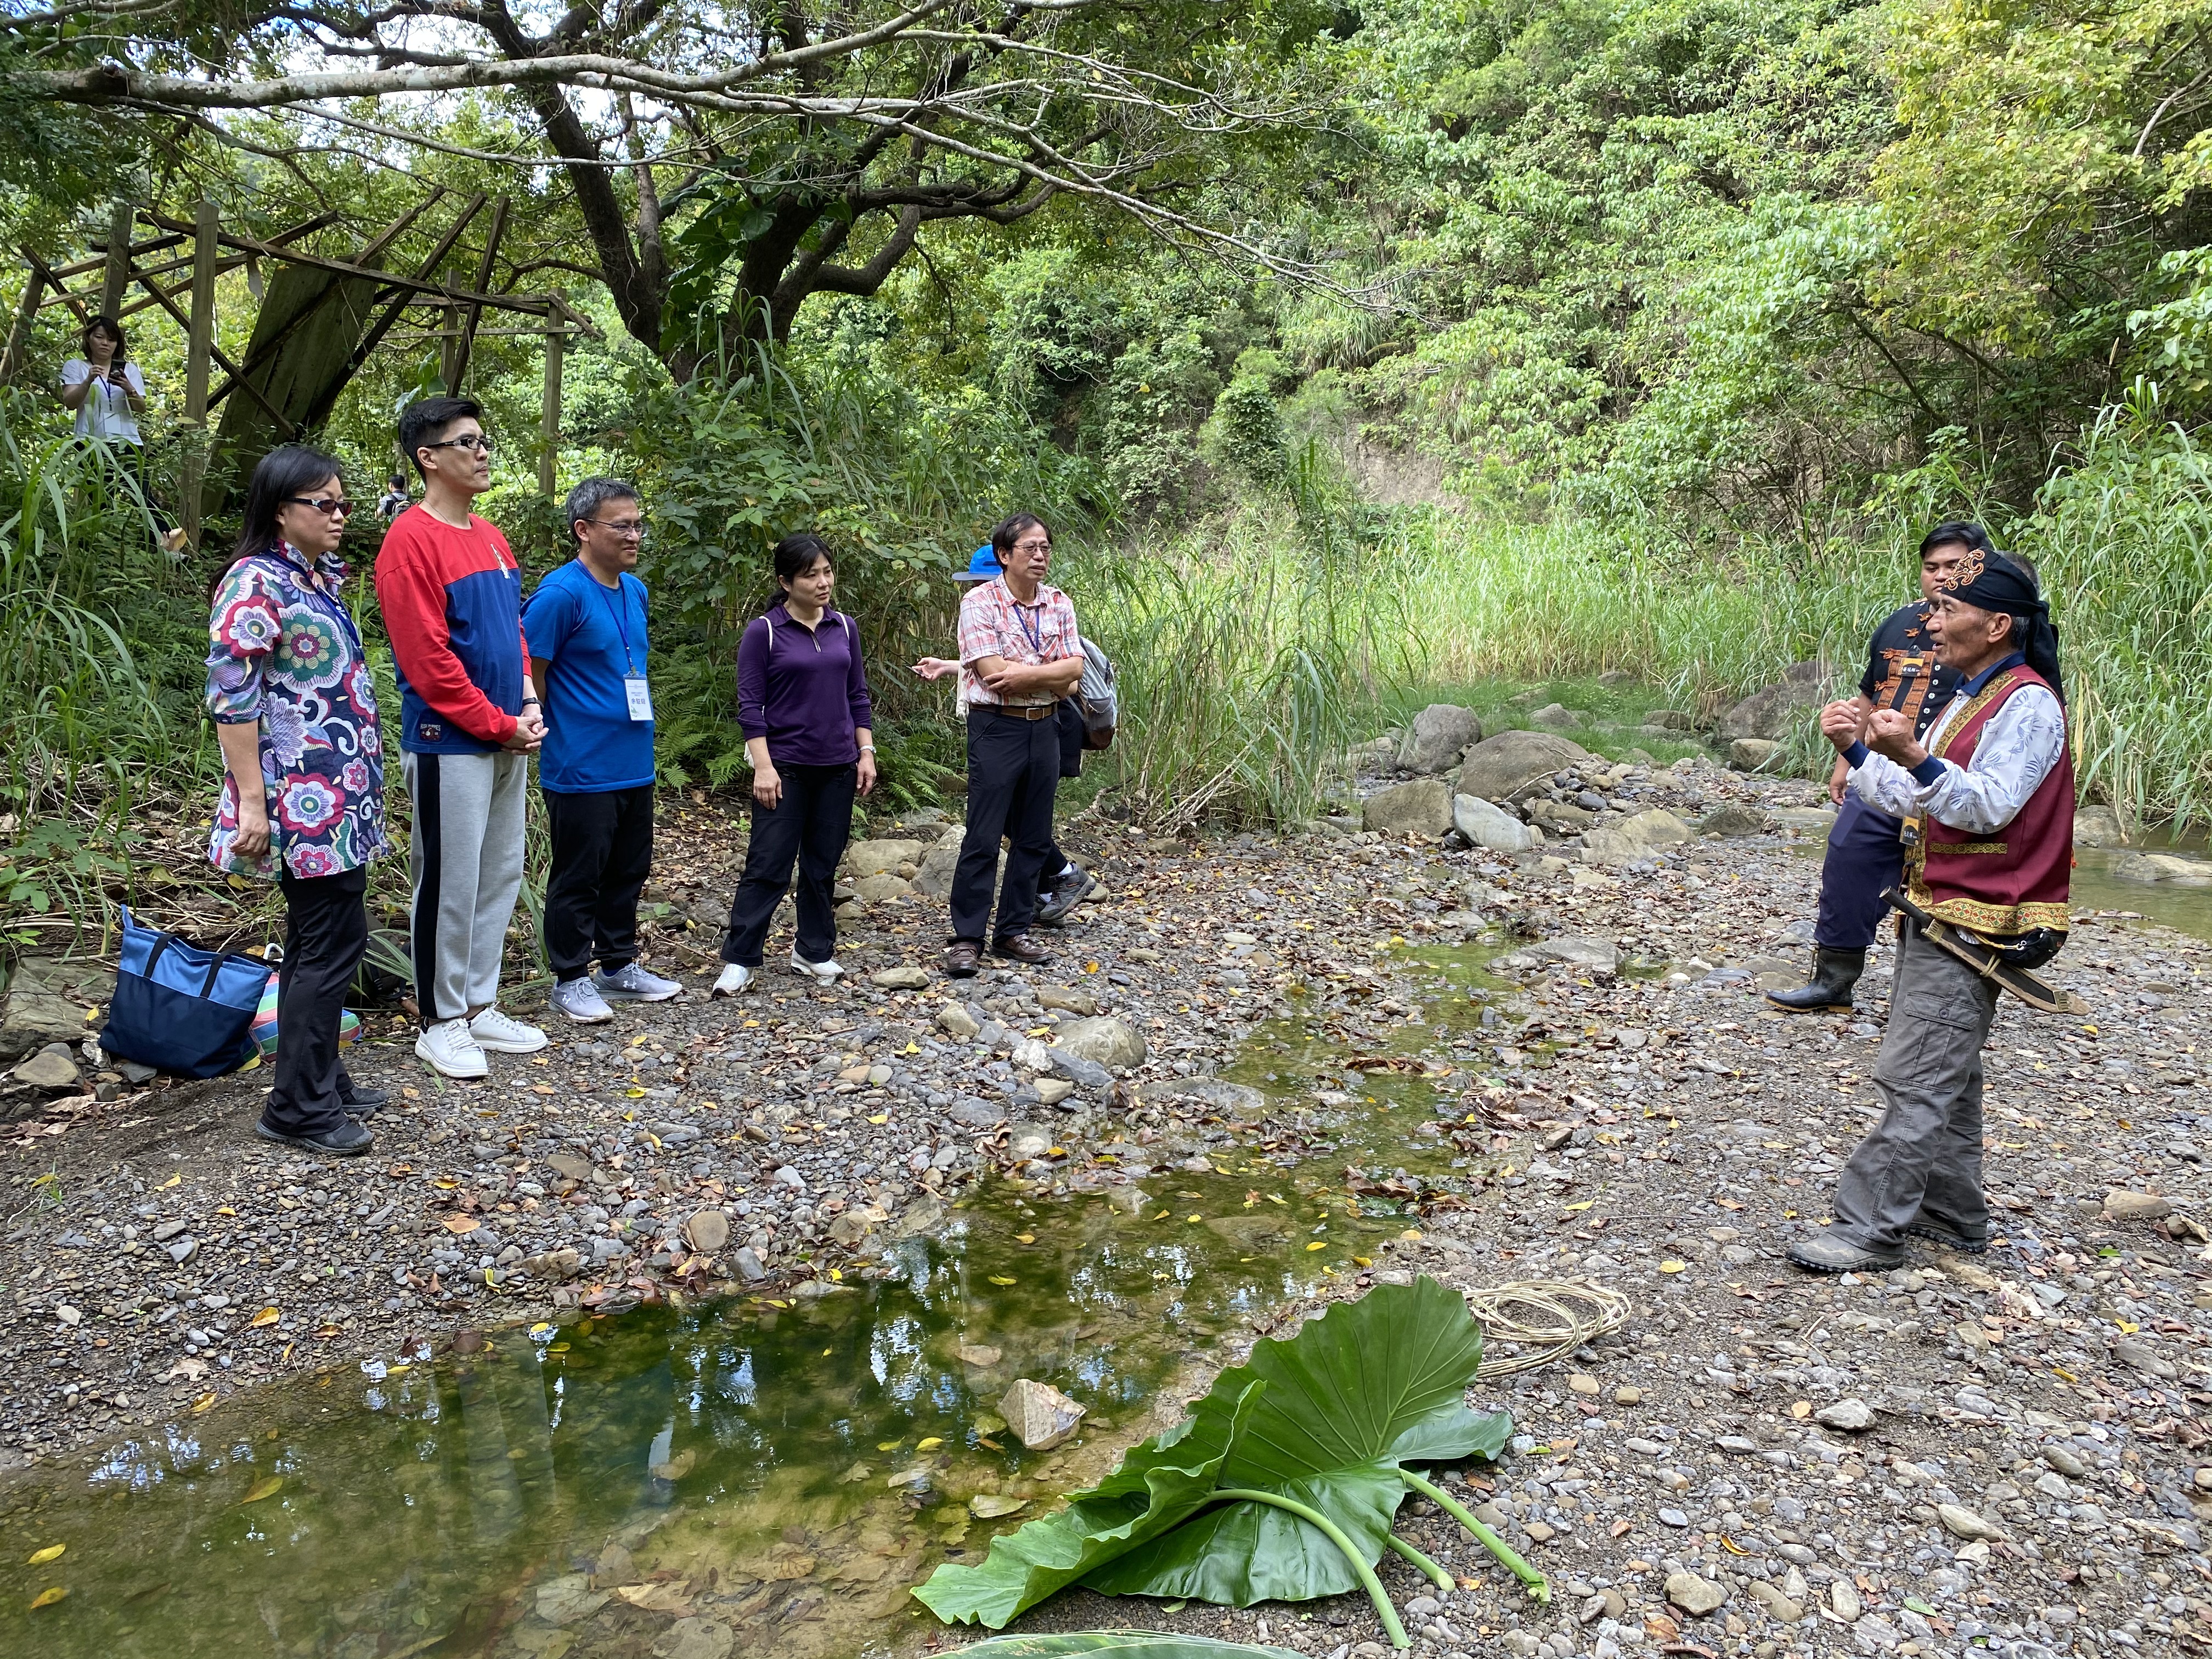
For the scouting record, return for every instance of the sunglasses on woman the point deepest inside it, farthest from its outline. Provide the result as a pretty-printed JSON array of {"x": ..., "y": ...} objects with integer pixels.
[{"x": 330, "y": 506}]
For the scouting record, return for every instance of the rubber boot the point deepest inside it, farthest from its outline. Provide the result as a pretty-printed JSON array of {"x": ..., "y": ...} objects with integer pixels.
[{"x": 1834, "y": 973}]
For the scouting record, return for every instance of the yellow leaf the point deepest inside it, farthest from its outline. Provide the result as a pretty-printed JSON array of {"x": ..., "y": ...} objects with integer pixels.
[
  {"x": 540, "y": 1328},
  {"x": 880, "y": 1117},
  {"x": 1671, "y": 1266},
  {"x": 52, "y": 1593},
  {"x": 635, "y": 1094},
  {"x": 268, "y": 1486},
  {"x": 1000, "y": 1279},
  {"x": 51, "y": 1553},
  {"x": 2128, "y": 1327},
  {"x": 1162, "y": 1216},
  {"x": 226, "y": 1209},
  {"x": 889, "y": 1445},
  {"x": 1364, "y": 1262},
  {"x": 461, "y": 1223},
  {"x": 177, "y": 1180},
  {"x": 1318, "y": 1244},
  {"x": 1571, "y": 1208},
  {"x": 1024, "y": 1238},
  {"x": 204, "y": 1402},
  {"x": 1055, "y": 1151},
  {"x": 930, "y": 1444},
  {"x": 267, "y": 1316},
  {"x": 1801, "y": 1409},
  {"x": 1194, "y": 1218}
]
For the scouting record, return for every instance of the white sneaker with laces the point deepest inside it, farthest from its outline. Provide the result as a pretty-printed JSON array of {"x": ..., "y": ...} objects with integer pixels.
[
  {"x": 732, "y": 980},
  {"x": 822, "y": 973},
  {"x": 451, "y": 1050},
  {"x": 581, "y": 1000},
  {"x": 631, "y": 982},
  {"x": 500, "y": 1035}
]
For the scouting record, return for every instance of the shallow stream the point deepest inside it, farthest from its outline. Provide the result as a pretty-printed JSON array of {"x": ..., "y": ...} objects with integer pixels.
[{"x": 784, "y": 1468}]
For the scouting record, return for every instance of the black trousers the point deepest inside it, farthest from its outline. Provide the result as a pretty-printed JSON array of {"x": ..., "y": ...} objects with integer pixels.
[
  {"x": 1069, "y": 720},
  {"x": 1013, "y": 770},
  {"x": 810, "y": 826},
  {"x": 325, "y": 930},
  {"x": 602, "y": 853}
]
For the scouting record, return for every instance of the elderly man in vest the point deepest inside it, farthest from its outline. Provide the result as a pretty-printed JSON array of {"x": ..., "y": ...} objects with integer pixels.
[{"x": 1988, "y": 806}]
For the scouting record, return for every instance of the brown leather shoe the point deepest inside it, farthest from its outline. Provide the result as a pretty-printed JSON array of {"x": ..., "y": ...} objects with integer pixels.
[
  {"x": 962, "y": 957},
  {"x": 1021, "y": 948}
]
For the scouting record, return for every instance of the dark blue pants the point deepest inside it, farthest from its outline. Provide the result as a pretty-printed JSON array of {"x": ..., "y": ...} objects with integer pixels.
[{"x": 1864, "y": 860}]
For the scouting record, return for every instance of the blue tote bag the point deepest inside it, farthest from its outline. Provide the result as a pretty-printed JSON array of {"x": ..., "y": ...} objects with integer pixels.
[{"x": 181, "y": 1009}]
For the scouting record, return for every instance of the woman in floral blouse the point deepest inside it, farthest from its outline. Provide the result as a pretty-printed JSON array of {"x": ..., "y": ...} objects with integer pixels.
[{"x": 288, "y": 685}]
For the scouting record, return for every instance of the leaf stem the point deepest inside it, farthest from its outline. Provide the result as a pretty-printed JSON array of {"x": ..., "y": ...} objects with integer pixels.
[
  {"x": 1335, "y": 1535},
  {"x": 1437, "y": 1575},
  {"x": 1537, "y": 1586}
]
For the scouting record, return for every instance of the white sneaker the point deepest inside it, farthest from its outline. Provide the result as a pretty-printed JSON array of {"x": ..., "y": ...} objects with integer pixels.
[
  {"x": 822, "y": 973},
  {"x": 581, "y": 1000},
  {"x": 494, "y": 1031},
  {"x": 732, "y": 980},
  {"x": 451, "y": 1049},
  {"x": 631, "y": 983}
]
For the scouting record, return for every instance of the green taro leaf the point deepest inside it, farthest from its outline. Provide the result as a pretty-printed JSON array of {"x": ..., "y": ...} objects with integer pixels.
[
  {"x": 1156, "y": 1485},
  {"x": 1120, "y": 1644},
  {"x": 1368, "y": 1386}
]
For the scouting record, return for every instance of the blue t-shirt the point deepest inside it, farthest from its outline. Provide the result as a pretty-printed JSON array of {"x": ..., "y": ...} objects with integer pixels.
[{"x": 594, "y": 638}]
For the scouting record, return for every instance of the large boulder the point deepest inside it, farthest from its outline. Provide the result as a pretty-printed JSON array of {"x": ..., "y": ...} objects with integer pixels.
[
  {"x": 1634, "y": 838},
  {"x": 1422, "y": 807},
  {"x": 1767, "y": 713},
  {"x": 1490, "y": 826},
  {"x": 1103, "y": 1042},
  {"x": 1497, "y": 766},
  {"x": 2098, "y": 826},
  {"x": 934, "y": 879},
  {"x": 1439, "y": 734},
  {"x": 33, "y": 1017},
  {"x": 1755, "y": 754},
  {"x": 877, "y": 858}
]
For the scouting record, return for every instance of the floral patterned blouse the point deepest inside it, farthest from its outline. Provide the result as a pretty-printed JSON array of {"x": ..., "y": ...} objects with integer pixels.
[{"x": 283, "y": 651}]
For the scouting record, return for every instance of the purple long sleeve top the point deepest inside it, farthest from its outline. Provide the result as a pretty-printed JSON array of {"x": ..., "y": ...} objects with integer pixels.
[{"x": 803, "y": 689}]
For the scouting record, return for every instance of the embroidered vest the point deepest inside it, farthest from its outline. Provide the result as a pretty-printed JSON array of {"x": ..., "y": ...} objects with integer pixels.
[{"x": 2007, "y": 885}]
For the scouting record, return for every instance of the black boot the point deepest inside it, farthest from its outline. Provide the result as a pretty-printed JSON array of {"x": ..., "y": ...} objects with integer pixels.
[{"x": 1834, "y": 973}]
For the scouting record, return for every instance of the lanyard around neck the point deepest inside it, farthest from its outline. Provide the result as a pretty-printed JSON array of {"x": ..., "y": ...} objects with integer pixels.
[{"x": 619, "y": 613}]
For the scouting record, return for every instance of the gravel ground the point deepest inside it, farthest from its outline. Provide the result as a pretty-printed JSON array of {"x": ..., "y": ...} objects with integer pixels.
[{"x": 1999, "y": 1451}]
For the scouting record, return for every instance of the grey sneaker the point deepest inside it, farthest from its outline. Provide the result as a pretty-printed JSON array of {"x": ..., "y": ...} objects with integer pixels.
[
  {"x": 581, "y": 1000},
  {"x": 1825, "y": 1253},
  {"x": 631, "y": 983}
]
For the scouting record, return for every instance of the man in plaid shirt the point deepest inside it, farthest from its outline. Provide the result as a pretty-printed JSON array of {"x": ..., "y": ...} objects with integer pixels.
[{"x": 1019, "y": 655}]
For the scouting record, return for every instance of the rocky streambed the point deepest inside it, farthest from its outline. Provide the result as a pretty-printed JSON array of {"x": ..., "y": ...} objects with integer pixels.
[{"x": 692, "y": 1337}]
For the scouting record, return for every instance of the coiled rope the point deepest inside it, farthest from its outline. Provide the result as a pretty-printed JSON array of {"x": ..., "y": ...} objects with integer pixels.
[{"x": 1543, "y": 1320}]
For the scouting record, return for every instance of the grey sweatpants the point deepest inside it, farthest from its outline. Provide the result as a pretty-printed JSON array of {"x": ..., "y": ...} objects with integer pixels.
[
  {"x": 1923, "y": 1160},
  {"x": 466, "y": 860}
]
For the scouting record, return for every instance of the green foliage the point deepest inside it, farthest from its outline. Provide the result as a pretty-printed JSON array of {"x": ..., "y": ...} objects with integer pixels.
[{"x": 1320, "y": 1424}]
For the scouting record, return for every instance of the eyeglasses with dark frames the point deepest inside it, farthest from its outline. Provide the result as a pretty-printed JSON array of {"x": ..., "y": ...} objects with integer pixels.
[
  {"x": 475, "y": 440},
  {"x": 638, "y": 532}
]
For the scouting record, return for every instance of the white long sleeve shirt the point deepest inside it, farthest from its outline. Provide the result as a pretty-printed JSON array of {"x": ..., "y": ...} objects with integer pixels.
[{"x": 2019, "y": 746}]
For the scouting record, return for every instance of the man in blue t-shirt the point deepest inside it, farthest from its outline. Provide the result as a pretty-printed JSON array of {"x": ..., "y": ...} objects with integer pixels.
[{"x": 586, "y": 629}]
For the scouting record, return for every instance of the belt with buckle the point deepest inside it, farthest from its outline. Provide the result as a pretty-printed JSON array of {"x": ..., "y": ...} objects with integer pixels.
[{"x": 1020, "y": 711}]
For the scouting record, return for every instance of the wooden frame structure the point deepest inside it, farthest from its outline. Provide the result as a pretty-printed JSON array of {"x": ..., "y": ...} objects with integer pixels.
[{"x": 291, "y": 374}]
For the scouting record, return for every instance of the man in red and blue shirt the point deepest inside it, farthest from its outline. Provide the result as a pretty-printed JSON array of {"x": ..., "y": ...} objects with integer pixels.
[{"x": 452, "y": 597}]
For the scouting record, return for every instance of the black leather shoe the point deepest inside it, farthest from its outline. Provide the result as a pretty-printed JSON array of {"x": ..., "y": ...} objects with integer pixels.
[
  {"x": 1834, "y": 974},
  {"x": 347, "y": 1140},
  {"x": 963, "y": 957},
  {"x": 364, "y": 1102}
]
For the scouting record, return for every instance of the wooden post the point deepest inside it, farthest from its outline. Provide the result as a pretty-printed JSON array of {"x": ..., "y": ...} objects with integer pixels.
[
  {"x": 462, "y": 348},
  {"x": 199, "y": 345},
  {"x": 18, "y": 336},
  {"x": 549, "y": 412},
  {"x": 118, "y": 278}
]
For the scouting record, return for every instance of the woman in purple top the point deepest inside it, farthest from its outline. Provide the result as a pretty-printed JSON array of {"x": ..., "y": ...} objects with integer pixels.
[{"x": 802, "y": 704}]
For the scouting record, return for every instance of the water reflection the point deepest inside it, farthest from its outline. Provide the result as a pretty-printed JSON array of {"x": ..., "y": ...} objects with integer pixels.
[{"x": 718, "y": 1477}]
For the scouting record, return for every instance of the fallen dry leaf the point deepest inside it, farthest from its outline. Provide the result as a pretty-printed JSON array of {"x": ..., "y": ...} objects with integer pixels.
[
  {"x": 267, "y": 1486},
  {"x": 47, "y": 1597},
  {"x": 267, "y": 1316},
  {"x": 51, "y": 1553}
]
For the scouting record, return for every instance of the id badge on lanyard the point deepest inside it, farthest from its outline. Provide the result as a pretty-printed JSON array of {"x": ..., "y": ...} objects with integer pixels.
[{"x": 641, "y": 699}]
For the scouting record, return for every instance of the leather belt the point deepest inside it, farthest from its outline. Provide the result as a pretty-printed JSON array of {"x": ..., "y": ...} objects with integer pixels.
[{"x": 1019, "y": 711}]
